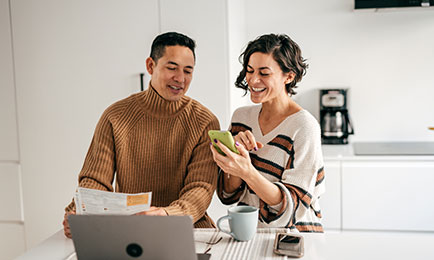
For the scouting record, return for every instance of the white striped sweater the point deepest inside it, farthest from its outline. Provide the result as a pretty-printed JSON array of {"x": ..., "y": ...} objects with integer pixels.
[{"x": 292, "y": 159}]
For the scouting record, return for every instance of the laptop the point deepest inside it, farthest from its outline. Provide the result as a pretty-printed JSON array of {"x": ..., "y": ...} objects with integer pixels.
[{"x": 133, "y": 237}]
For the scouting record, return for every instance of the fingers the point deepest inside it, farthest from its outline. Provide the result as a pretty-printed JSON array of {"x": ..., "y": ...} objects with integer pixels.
[
  {"x": 67, "y": 233},
  {"x": 242, "y": 150},
  {"x": 252, "y": 140},
  {"x": 224, "y": 149},
  {"x": 247, "y": 139},
  {"x": 157, "y": 212},
  {"x": 216, "y": 155},
  {"x": 66, "y": 228},
  {"x": 242, "y": 138},
  {"x": 153, "y": 211},
  {"x": 221, "y": 160}
]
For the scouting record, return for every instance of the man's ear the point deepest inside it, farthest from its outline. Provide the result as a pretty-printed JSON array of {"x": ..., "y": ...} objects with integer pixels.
[
  {"x": 290, "y": 77},
  {"x": 150, "y": 65}
]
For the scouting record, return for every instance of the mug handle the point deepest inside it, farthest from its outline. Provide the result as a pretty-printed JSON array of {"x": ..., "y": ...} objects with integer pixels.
[{"x": 221, "y": 229}]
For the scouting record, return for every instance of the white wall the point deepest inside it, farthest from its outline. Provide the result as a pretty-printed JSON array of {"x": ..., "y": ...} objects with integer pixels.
[
  {"x": 237, "y": 39},
  {"x": 386, "y": 58},
  {"x": 204, "y": 21},
  {"x": 72, "y": 60},
  {"x": 8, "y": 124},
  {"x": 11, "y": 216}
]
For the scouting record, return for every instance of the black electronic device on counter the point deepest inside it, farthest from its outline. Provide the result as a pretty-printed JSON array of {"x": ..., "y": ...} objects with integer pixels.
[{"x": 334, "y": 118}]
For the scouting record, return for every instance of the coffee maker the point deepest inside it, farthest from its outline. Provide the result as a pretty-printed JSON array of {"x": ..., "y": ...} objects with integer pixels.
[{"x": 334, "y": 118}]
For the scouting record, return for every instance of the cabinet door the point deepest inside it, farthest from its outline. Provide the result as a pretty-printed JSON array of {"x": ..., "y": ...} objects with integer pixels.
[
  {"x": 330, "y": 201},
  {"x": 388, "y": 195}
]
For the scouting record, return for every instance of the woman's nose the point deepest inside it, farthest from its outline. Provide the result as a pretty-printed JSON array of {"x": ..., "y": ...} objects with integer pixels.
[{"x": 253, "y": 79}]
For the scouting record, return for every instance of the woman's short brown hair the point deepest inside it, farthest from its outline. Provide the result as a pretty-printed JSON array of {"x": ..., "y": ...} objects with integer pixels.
[{"x": 285, "y": 52}]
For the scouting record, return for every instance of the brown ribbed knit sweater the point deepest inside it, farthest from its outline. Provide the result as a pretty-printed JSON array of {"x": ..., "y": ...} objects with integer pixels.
[{"x": 155, "y": 145}]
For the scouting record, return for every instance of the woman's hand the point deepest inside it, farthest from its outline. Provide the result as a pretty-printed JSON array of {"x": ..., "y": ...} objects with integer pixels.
[
  {"x": 241, "y": 167},
  {"x": 233, "y": 164},
  {"x": 247, "y": 139}
]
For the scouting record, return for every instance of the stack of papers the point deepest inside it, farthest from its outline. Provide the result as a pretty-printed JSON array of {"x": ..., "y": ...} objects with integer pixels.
[{"x": 97, "y": 202}]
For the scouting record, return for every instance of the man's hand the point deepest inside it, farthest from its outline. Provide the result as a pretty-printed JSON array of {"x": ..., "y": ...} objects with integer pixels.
[
  {"x": 153, "y": 211},
  {"x": 66, "y": 228}
]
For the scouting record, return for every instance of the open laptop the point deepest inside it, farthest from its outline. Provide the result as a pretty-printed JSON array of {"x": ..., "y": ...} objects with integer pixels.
[{"x": 133, "y": 237}]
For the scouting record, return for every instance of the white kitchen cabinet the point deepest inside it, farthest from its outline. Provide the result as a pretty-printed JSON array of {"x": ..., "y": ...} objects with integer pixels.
[
  {"x": 330, "y": 201},
  {"x": 8, "y": 121},
  {"x": 12, "y": 242},
  {"x": 10, "y": 193},
  {"x": 388, "y": 195}
]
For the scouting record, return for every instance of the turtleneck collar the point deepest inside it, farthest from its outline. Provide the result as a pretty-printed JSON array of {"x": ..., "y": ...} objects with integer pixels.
[{"x": 155, "y": 105}]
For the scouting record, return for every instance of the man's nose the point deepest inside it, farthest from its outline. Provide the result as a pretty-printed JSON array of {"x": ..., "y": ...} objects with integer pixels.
[{"x": 179, "y": 77}]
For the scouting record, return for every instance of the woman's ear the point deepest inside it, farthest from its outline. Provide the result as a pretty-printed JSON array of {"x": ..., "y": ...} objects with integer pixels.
[
  {"x": 290, "y": 77},
  {"x": 150, "y": 64}
]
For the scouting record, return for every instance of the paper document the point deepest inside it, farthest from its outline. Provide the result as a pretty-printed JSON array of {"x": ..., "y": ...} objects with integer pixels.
[{"x": 90, "y": 201}]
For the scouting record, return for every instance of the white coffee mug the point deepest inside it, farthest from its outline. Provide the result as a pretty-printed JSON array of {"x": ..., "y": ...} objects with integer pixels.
[{"x": 243, "y": 221}]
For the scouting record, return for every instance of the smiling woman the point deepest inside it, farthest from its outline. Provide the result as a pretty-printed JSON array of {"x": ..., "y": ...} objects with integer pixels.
[{"x": 280, "y": 166}]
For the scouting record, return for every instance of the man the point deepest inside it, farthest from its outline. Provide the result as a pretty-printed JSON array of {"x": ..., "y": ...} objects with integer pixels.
[{"x": 156, "y": 140}]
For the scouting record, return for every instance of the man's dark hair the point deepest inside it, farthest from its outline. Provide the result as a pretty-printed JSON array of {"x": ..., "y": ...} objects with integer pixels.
[
  {"x": 170, "y": 39},
  {"x": 285, "y": 52}
]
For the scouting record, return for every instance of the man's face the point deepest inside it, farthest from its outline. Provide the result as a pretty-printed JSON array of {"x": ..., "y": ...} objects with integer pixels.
[{"x": 172, "y": 73}]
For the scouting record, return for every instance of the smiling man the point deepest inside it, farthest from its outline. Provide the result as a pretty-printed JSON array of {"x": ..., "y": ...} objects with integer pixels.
[{"x": 156, "y": 140}]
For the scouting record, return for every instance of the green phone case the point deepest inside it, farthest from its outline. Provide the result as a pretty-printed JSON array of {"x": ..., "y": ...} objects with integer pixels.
[{"x": 225, "y": 137}]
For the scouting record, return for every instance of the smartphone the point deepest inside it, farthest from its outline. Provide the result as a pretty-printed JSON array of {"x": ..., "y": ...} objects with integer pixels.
[
  {"x": 289, "y": 244},
  {"x": 225, "y": 137}
]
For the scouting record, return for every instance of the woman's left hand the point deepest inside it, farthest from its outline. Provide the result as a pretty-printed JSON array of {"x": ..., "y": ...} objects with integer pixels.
[{"x": 233, "y": 164}]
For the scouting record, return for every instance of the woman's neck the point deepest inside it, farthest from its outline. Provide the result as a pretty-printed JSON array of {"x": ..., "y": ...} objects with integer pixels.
[
  {"x": 279, "y": 107},
  {"x": 274, "y": 112}
]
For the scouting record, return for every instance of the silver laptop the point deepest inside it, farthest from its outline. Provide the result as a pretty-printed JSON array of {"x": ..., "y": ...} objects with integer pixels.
[{"x": 133, "y": 237}]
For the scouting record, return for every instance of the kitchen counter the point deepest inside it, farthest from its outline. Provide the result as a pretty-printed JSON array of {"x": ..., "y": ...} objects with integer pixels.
[
  {"x": 346, "y": 153},
  {"x": 331, "y": 245}
]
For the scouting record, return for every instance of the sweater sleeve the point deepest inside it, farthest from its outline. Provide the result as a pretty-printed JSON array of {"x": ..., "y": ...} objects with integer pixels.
[
  {"x": 302, "y": 180},
  {"x": 229, "y": 198},
  {"x": 99, "y": 165},
  {"x": 307, "y": 163},
  {"x": 200, "y": 181}
]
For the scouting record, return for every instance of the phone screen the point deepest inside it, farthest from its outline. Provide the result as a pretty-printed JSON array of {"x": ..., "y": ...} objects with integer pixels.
[{"x": 288, "y": 242}]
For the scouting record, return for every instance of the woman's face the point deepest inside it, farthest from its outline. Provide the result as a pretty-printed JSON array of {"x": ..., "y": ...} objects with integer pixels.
[{"x": 265, "y": 78}]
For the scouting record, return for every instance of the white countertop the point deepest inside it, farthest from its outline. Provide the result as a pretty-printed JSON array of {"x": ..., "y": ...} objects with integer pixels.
[
  {"x": 330, "y": 245},
  {"x": 345, "y": 152}
]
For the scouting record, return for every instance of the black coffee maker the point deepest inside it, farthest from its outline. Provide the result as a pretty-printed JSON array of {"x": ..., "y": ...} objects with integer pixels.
[{"x": 334, "y": 119}]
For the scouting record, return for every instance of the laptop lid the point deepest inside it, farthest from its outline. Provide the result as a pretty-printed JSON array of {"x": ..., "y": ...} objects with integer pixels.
[{"x": 132, "y": 237}]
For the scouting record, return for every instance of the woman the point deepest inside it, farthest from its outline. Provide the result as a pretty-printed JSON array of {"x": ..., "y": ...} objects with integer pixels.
[{"x": 280, "y": 166}]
